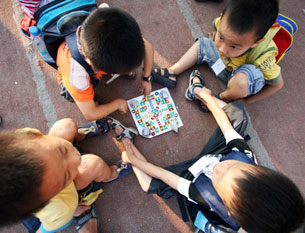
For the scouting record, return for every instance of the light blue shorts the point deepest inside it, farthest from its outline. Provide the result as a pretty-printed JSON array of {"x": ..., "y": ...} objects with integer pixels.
[{"x": 208, "y": 53}]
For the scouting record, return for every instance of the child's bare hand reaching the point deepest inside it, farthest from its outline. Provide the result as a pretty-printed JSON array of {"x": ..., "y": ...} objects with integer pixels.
[
  {"x": 128, "y": 154},
  {"x": 146, "y": 88},
  {"x": 122, "y": 105}
]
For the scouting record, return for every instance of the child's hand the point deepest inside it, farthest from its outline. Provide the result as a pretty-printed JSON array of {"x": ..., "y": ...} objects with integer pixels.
[
  {"x": 146, "y": 88},
  {"x": 128, "y": 154},
  {"x": 122, "y": 105},
  {"x": 125, "y": 158},
  {"x": 212, "y": 35}
]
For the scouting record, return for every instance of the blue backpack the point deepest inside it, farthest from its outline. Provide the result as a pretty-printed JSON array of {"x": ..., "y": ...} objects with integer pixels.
[{"x": 58, "y": 21}]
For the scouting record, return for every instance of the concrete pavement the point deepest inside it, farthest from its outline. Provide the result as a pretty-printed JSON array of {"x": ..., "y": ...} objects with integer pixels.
[{"x": 30, "y": 97}]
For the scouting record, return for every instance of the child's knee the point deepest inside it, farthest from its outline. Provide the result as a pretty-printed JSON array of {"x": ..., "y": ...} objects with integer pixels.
[
  {"x": 239, "y": 83},
  {"x": 94, "y": 164},
  {"x": 64, "y": 128}
]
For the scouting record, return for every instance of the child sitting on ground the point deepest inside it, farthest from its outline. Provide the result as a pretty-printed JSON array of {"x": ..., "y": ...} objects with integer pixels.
[
  {"x": 224, "y": 182},
  {"x": 45, "y": 175},
  {"x": 110, "y": 41},
  {"x": 241, "y": 27}
]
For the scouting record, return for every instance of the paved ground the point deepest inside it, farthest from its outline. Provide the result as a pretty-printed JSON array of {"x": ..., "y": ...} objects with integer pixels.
[{"x": 29, "y": 97}]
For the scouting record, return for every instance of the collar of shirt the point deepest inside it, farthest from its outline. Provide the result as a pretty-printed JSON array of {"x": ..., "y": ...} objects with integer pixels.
[{"x": 204, "y": 165}]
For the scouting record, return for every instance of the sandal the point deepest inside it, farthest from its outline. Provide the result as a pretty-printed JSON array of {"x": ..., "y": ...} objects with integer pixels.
[
  {"x": 189, "y": 93},
  {"x": 164, "y": 79},
  {"x": 128, "y": 132},
  {"x": 80, "y": 221},
  {"x": 123, "y": 170},
  {"x": 95, "y": 128}
]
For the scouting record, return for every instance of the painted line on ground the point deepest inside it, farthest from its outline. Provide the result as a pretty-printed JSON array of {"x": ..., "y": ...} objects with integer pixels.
[
  {"x": 38, "y": 76},
  {"x": 255, "y": 141},
  {"x": 190, "y": 19}
]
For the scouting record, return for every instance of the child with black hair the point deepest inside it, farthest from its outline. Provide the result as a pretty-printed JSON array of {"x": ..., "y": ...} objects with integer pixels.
[
  {"x": 241, "y": 30},
  {"x": 110, "y": 41},
  {"x": 224, "y": 182},
  {"x": 46, "y": 176}
]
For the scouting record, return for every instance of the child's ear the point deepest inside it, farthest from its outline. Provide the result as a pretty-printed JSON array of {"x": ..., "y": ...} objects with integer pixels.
[{"x": 257, "y": 42}]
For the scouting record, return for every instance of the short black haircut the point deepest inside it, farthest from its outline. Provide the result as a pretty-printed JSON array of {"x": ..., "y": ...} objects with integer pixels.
[
  {"x": 111, "y": 39},
  {"x": 266, "y": 201},
  {"x": 246, "y": 15},
  {"x": 21, "y": 176}
]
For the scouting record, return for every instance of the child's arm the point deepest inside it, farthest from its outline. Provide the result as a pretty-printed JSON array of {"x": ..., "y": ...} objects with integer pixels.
[
  {"x": 133, "y": 156},
  {"x": 215, "y": 106},
  {"x": 148, "y": 64},
  {"x": 268, "y": 90},
  {"x": 91, "y": 111}
]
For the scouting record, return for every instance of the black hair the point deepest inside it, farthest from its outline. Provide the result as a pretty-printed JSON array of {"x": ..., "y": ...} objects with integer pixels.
[
  {"x": 266, "y": 201},
  {"x": 246, "y": 15},
  {"x": 111, "y": 39},
  {"x": 21, "y": 176}
]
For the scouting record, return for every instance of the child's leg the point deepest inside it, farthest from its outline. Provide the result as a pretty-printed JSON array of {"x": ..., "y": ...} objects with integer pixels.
[
  {"x": 67, "y": 129},
  {"x": 237, "y": 88},
  {"x": 246, "y": 80},
  {"x": 94, "y": 168},
  {"x": 239, "y": 120},
  {"x": 187, "y": 60},
  {"x": 143, "y": 178}
]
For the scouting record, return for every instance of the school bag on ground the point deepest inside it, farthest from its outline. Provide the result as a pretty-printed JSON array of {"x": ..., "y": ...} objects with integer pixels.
[{"x": 58, "y": 21}]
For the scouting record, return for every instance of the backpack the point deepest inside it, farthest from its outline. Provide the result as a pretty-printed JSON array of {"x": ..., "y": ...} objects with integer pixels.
[
  {"x": 58, "y": 21},
  {"x": 281, "y": 33}
]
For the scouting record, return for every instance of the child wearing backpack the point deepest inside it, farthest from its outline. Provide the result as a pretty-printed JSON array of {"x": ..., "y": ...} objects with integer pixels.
[
  {"x": 110, "y": 41},
  {"x": 243, "y": 26},
  {"x": 86, "y": 44},
  {"x": 224, "y": 189}
]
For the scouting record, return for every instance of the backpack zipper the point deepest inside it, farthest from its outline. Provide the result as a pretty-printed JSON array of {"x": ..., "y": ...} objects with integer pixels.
[{"x": 87, "y": 8}]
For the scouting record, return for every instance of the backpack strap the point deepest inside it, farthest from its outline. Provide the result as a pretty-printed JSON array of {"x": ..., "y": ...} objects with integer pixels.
[
  {"x": 72, "y": 44},
  {"x": 209, "y": 194},
  {"x": 239, "y": 156},
  {"x": 181, "y": 204},
  {"x": 260, "y": 48}
]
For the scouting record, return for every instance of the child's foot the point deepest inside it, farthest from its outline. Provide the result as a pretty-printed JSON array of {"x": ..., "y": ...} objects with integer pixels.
[
  {"x": 165, "y": 77},
  {"x": 130, "y": 75},
  {"x": 195, "y": 80},
  {"x": 93, "y": 128},
  {"x": 121, "y": 130},
  {"x": 122, "y": 170},
  {"x": 86, "y": 220}
]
